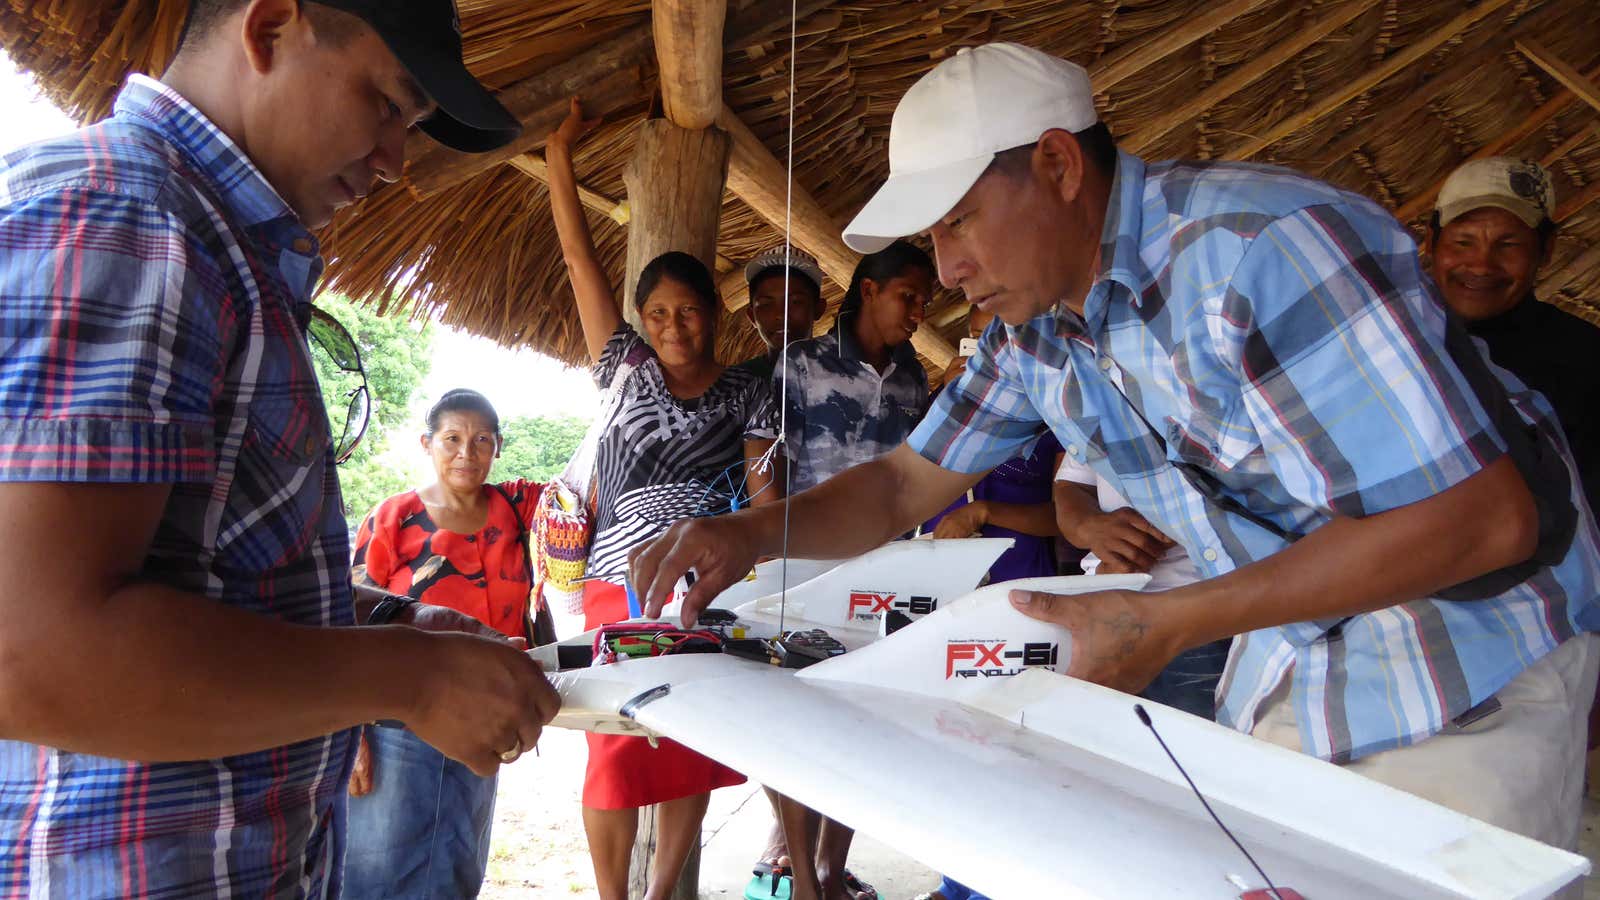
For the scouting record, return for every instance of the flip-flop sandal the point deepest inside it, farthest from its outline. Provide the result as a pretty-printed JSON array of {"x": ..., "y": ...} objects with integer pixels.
[
  {"x": 771, "y": 881},
  {"x": 858, "y": 888}
]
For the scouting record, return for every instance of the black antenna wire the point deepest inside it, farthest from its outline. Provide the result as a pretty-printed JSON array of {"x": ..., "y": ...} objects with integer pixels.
[{"x": 1138, "y": 710}]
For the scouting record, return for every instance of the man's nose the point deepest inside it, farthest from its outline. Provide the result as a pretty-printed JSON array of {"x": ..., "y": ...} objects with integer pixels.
[
  {"x": 388, "y": 159},
  {"x": 952, "y": 269}
]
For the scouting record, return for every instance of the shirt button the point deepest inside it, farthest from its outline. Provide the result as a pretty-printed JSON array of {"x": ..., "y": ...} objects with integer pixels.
[
  {"x": 1106, "y": 363},
  {"x": 1072, "y": 449},
  {"x": 302, "y": 246},
  {"x": 1210, "y": 555}
]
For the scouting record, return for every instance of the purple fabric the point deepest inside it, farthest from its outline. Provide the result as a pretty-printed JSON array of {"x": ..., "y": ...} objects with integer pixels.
[{"x": 1022, "y": 480}]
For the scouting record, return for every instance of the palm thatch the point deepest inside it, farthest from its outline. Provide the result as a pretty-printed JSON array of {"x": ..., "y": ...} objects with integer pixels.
[{"x": 1380, "y": 96}]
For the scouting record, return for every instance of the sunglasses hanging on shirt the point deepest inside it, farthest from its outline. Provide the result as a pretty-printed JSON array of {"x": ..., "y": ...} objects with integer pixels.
[{"x": 340, "y": 346}]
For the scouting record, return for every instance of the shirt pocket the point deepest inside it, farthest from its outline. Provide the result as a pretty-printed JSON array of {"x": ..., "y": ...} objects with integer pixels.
[
  {"x": 280, "y": 498},
  {"x": 1218, "y": 436}
]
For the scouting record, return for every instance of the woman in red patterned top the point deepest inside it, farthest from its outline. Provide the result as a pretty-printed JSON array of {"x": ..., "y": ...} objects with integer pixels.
[{"x": 419, "y": 822}]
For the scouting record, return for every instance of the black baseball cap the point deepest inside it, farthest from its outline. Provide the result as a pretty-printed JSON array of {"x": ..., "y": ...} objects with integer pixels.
[{"x": 425, "y": 35}]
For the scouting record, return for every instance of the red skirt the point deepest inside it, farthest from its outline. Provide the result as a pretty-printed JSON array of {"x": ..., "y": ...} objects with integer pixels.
[{"x": 626, "y": 772}]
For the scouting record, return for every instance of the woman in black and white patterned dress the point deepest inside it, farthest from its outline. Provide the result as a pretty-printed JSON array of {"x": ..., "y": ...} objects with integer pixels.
[{"x": 686, "y": 433}]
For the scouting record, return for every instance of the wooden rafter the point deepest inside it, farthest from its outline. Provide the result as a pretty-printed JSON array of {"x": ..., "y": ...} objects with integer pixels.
[
  {"x": 1582, "y": 87},
  {"x": 1358, "y": 86},
  {"x": 1245, "y": 75},
  {"x": 607, "y": 77},
  {"x": 1475, "y": 52},
  {"x": 534, "y": 166},
  {"x": 756, "y": 177},
  {"x": 1568, "y": 209},
  {"x": 1518, "y": 133},
  {"x": 1575, "y": 140},
  {"x": 1111, "y": 71}
]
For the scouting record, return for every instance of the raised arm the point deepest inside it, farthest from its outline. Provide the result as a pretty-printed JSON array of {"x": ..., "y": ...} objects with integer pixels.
[{"x": 597, "y": 305}]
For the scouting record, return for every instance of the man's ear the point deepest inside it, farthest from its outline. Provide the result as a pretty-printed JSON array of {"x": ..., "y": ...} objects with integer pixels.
[
  {"x": 1059, "y": 163},
  {"x": 263, "y": 28}
]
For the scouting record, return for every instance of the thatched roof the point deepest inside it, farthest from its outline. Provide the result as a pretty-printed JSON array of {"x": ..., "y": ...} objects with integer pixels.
[{"x": 1381, "y": 96}]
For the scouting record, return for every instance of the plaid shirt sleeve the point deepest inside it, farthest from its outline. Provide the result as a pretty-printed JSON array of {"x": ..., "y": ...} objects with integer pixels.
[
  {"x": 1339, "y": 348},
  {"x": 985, "y": 417},
  {"x": 116, "y": 339}
]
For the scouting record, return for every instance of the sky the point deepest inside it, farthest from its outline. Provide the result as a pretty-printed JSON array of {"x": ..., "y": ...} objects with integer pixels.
[{"x": 518, "y": 383}]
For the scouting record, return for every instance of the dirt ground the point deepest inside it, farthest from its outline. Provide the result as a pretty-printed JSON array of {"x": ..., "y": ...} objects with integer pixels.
[{"x": 539, "y": 849}]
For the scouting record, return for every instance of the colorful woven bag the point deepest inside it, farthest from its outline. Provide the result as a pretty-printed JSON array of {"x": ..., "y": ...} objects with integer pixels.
[
  {"x": 563, "y": 525},
  {"x": 561, "y": 533}
]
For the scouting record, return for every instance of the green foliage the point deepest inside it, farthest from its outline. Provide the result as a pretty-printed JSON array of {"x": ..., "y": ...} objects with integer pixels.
[
  {"x": 538, "y": 448},
  {"x": 395, "y": 354}
]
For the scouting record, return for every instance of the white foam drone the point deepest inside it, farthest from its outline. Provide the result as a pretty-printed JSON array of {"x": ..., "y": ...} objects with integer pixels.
[{"x": 956, "y": 740}]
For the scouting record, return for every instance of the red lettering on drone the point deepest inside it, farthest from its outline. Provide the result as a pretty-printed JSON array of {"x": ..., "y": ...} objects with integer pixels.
[
  {"x": 981, "y": 655},
  {"x": 872, "y": 603}
]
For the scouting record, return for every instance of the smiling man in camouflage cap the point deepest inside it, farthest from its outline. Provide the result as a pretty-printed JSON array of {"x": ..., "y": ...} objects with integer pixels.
[{"x": 1492, "y": 231}]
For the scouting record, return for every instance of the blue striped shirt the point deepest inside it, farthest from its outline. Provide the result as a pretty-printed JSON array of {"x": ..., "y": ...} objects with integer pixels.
[
  {"x": 1282, "y": 334},
  {"x": 154, "y": 292}
]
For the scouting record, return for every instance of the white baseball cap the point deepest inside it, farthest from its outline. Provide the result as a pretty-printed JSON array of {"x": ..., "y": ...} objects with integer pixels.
[
  {"x": 1521, "y": 187},
  {"x": 951, "y": 123}
]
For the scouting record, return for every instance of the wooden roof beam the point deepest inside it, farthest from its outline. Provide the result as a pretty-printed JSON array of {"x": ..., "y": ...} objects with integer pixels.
[
  {"x": 534, "y": 166},
  {"x": 1563, "y": 277},
  {"x": 1473, "y": 55},
  {"x": 1533, "y": 122},
  {"x": 756, "y": 177},
  {"x": 1109, "y": 72},
  {"x": 1570, "y": 144},
  {"x": 1570, "y": 78},
  {"x": 1246, "y": 74},
  {"x": 1567, "y": 210},
  {"x": 1358, "y": 86},
  {"x": 688, "y": 37},
  {"x": 609, "y": 79}
]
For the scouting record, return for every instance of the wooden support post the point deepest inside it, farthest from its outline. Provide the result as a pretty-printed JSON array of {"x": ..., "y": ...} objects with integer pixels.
[
  {"x": 756, "y": 177},
  {"x": 1245, "y": 75},
  {"x": 1358, "y": 86},
  {"x": 644, "y": 850},
  {"x": 689, "y": 53},
  {"x": 1534, "y": 121},
  {"x": 675, "y": 182}
]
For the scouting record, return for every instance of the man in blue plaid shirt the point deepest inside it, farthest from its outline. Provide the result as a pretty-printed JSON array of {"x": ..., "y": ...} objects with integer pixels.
[
  {"x": 1260, "y": 365},
  {"x": 176, "y": 696}
]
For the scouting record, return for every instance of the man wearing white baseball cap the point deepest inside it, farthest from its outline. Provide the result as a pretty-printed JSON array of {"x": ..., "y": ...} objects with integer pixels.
[{"x": 1261, "y": 365}]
